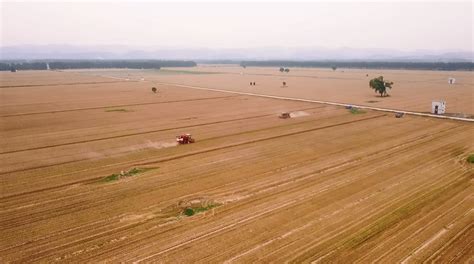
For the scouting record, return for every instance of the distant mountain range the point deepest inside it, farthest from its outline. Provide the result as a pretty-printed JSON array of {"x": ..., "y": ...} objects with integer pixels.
[{"x": 38, "y": 52}]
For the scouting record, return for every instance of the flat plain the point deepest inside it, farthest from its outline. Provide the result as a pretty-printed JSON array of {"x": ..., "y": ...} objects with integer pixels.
[
  {"x": 91, "y": 171},
  {"x": 412, "y": 90}
]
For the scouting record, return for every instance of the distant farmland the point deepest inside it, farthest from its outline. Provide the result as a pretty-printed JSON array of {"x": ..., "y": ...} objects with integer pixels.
[{"x": 91, "y": 171}]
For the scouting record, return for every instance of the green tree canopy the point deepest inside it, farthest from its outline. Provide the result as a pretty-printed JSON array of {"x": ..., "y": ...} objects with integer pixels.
[{"x": 380, "y": 86}]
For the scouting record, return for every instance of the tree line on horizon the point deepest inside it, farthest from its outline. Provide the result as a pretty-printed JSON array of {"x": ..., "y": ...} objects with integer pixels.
[
  {"x": 441, "y": 66},
  {"x": 92, "y": 64}
]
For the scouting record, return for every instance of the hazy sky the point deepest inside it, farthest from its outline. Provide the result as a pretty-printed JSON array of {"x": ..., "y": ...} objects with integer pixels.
[{"x": 401, "y": 25}]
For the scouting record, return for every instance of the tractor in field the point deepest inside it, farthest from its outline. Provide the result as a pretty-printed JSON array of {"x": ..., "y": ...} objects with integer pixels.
[
  {"x": 185, "y": 139},
  {"x": 284, "y": 115}
]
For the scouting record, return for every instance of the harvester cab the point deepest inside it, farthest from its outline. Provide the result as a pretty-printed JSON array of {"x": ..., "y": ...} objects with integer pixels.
[{"x": 185, "y": 139}]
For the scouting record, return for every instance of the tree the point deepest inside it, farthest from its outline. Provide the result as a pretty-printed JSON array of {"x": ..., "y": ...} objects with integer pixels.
[
  {"x": 287, "y": 70},
  {"x": 333, "y": 68},
  {"x": 153, "y": 89},
  {"x": 380, "y": 86},
  {"x": 282, "y": 69}
]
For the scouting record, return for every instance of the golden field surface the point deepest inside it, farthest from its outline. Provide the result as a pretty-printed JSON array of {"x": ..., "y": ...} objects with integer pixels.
[
  {"x": 91, "y": 171},
  {"x": 412, "y": 90}
]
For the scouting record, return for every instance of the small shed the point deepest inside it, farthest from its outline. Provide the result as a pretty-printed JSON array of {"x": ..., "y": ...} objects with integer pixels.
[{"x": 438, "y": 107}]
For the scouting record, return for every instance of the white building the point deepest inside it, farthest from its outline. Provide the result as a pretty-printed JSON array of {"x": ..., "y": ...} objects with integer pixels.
[{"x": 438, "y": 107}]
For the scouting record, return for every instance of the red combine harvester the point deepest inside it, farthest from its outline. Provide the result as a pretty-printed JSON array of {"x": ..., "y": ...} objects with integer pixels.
[{"x": 185, "y": 139}]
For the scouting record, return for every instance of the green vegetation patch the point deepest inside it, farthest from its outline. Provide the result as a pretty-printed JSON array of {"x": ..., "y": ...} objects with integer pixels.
[
  {"x": 125, "y": 174},
  {"x": 470, "y": 158},
  {"x": 190, "y": 211},
  {"x": 356, "y": 111},
  {"x": 118, "y": 110},
  {"x": 112, "y": 177}
]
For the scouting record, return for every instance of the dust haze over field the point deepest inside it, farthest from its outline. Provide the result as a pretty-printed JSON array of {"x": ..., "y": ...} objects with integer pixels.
[{"x": 303, "y": 165}]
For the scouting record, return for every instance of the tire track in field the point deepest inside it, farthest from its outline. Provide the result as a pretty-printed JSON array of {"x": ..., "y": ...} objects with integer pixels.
[
  {"x": 59, "y": 84},
  {"x": 465, "y": 233},
  {"x": 258, "y": 140},
  {"x": 410, "y": 147},
  {"x": 75, "y": 242},
  {"x": 443, "y": 185},
  {"x": 202, "y": 140},
  {"x": 175, "y": 157},
  {"x": 425, "y": 244},
  {"x": 146, "y": 132},
  {"x": 95, "y": 179},
  {"x": 179, "y": 156},
  {"x": 71, "y": 207},
  {"x": 421, "y": 142},
  {"x": 293, "y": 179},
  {"x": 91, "y": 180},
  {"x": 113, "y": 106},
  {"x": 226, "y": 227},
  {"x": 308, "y": 224},
  {"x": 22, "y": 219},
  {"x": 309, "y": 253},
  {"x": 304, "y": 176},
  {"x": 133, "y": 134},
  {"x": 332, "y": 234},
  {"x": 448, "y": 151},
  {"x": 399, "y": 243},
  {"x": 44, "y": 253}
]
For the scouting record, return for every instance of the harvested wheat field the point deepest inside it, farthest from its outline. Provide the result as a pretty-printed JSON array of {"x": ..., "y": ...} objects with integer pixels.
[
  {"x": 412, "y": 91},
  {"x": 91, "y": 170}
]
